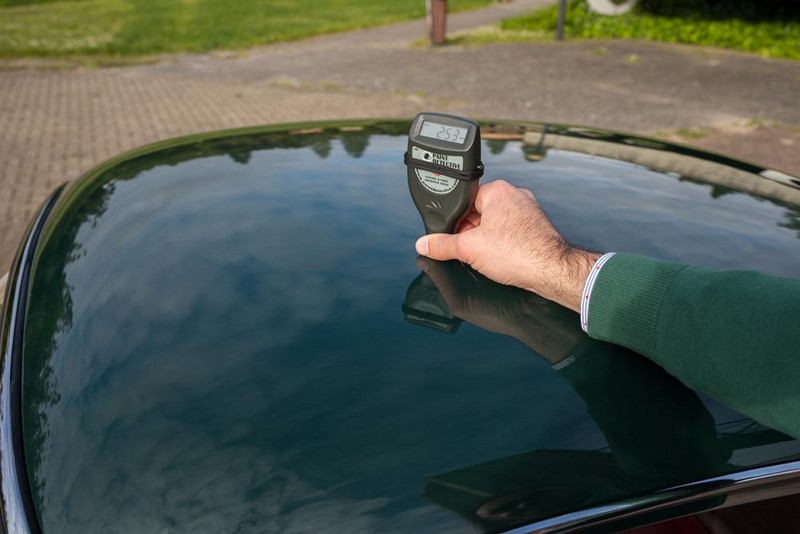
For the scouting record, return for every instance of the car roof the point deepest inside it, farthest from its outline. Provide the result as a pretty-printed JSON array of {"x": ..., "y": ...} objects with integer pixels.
[{"x": 234, "y": 331}]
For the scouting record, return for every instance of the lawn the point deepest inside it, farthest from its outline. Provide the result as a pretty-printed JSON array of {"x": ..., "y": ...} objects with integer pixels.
[
  {"x": 767, "y": 27},
  {"x": 107, "y": 29}
]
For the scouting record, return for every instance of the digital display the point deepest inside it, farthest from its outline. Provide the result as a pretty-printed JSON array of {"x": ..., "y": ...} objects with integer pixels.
[{"x": 434, "y": 130}]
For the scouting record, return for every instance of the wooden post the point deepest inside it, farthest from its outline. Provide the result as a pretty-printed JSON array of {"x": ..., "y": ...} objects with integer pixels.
[{"x": 437, "y": 16}]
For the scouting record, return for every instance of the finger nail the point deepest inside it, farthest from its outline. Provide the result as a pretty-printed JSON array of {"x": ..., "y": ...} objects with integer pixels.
[{"x": 422, "y": 246}]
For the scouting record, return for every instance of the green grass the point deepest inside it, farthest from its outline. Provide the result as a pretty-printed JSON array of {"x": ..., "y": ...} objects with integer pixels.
[
  {"x": 111, "y": 30},
  {"x": 767, "y": 27}
]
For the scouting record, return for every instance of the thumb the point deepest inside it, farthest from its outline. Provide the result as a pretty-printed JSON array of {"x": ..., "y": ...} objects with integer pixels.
[{"x": 440, "y": 247}]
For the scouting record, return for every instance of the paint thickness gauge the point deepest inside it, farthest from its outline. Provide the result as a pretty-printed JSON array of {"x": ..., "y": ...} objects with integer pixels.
[{"x": 444, "y": 166}]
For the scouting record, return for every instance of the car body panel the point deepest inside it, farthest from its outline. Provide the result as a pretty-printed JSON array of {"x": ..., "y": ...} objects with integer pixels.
[{"x": 217, "y": 338}]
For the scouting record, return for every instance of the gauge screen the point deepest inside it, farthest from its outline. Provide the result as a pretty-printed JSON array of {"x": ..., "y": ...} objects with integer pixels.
[{"x": 434, "y": 130}]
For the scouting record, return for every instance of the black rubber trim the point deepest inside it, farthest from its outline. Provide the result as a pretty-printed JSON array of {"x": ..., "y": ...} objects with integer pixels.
[
  {"x": 15, "y": 397},
  {"x": 467, "y": 176}
]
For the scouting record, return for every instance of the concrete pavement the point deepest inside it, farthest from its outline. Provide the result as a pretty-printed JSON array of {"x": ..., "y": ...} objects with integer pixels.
[{"x": 56, "y": 124}]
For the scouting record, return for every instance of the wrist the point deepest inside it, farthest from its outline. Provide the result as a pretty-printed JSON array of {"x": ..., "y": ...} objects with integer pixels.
[
  {"x": 564, "y": 282},
  {"x": 578, "y": 266}
]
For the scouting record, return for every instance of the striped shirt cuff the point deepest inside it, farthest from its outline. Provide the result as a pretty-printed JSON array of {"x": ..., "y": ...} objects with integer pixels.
[{"x": 586, "y": 298}]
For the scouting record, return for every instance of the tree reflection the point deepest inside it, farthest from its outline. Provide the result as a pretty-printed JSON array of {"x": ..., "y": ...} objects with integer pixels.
[
  {"x": 355, "y": 143},
  {"x": 496, "y": 146},
  {"x": 792, "y": 222},
  {"x": 50, "y": 314},
  {"x": 322, "y": 147},
  {"x": 716, "y": 190}
]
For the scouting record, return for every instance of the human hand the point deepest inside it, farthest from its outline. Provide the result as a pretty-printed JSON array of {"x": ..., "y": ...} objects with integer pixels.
[{"x": 508, "y": 238}]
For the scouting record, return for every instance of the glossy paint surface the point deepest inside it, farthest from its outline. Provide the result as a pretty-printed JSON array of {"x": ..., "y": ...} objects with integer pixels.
[{"x": 232, "y": 335}]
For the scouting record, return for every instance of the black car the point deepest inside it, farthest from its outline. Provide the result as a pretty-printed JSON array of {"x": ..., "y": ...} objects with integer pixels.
[{"x": 231, "y": 332}]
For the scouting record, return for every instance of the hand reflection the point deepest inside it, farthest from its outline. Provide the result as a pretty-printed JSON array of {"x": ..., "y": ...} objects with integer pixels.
[{"x": 552, "y": 331}]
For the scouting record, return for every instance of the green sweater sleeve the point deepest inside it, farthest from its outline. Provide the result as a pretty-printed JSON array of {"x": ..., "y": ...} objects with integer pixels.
[{"x": 732, "y": 334}]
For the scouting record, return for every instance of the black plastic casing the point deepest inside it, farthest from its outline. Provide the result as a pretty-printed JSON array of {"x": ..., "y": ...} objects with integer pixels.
[
  {"x": 425, "y": 306},
  {"x": 444, "y": 198}
]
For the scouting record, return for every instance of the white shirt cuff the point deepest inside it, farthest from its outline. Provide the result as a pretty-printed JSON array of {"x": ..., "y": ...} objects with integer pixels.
[{"x": 586, "y": 297}]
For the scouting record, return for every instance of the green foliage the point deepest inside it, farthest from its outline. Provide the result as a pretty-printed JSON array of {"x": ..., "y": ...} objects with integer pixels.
[
  {"x": 143, "y": 27},
  {"x": 6, "y": 3},
  {"x": 768, "y": 27}
]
